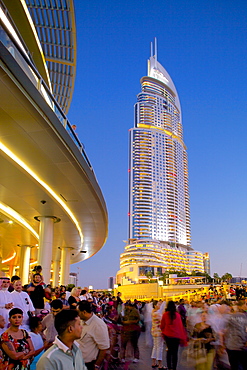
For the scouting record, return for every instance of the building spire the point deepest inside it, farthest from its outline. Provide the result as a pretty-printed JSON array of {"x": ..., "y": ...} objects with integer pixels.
[
  {"x": 155, "y": 51},
  {"x": 153, "y": 56}
]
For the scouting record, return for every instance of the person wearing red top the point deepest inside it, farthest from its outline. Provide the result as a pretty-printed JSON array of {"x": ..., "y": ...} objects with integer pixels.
[{"x": 174, "y": 333}]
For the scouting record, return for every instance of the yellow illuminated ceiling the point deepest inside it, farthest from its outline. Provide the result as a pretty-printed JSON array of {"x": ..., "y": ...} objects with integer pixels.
[
  {"x": 19, "y": 162},
  {"x": 39, "y": 162}
]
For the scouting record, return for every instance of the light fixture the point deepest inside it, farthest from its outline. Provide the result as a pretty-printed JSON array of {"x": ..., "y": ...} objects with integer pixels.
[
  {"x": 33, "y": 263},
  {"x": 10, "y": 258},
  {"x": 10, "y": 212},
  {"x": 17, "y": 160}
]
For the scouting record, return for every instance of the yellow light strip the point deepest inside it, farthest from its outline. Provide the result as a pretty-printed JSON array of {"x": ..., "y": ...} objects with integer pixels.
[
  {"x": 10, "y": 258},
  {"x": 33, "y": 263},
  {"x": 10, "y": 212},
  {"x": 141, "y": 125},
  {"x": 10, "y": 154}
]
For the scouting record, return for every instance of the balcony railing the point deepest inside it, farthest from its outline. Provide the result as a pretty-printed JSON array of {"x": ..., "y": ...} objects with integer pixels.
[{"x": 23, "y": 60}]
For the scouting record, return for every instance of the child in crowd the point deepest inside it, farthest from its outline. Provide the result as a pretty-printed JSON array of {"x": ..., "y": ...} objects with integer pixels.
[{"x": 38, "y": 340}]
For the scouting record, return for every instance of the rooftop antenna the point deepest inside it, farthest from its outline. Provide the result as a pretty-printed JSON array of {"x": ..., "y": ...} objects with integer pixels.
[
  {"x": 155, "y": 51},
  {"x": 151, "y": 49}
]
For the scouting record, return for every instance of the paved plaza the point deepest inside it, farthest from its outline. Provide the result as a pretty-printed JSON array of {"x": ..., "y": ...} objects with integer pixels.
[{"x": 145, "y": 358}]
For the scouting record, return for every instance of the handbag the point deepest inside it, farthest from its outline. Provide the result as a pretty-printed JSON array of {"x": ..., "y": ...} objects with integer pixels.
[{"x": 194, "y": 354}]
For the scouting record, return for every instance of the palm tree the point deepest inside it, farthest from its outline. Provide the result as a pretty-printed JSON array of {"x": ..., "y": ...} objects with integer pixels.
[
  {"x": 149, "y": 275},
  {"x": 158, "y": 274},
  {"x": 182, "y": 273},
  {"x": 226, "y": 277},
  {"x": 216, "y": 277}
]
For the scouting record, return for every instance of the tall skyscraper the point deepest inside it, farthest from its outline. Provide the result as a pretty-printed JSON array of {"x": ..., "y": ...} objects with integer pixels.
[
  {"x": 159, "y": 211},
  {"x": 158, "y": 191}
]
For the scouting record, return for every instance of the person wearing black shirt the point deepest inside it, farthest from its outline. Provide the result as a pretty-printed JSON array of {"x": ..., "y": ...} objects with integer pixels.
[{"x": 37, "y": 293}]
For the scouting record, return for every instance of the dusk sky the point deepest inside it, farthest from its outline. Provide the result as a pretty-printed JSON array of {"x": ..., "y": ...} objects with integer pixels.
[{"x": 202, "y": 45}]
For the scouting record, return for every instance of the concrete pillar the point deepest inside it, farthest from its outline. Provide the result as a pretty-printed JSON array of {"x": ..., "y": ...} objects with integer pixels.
[
  {"x": 56, "y": 265},
  {"x": 65, "y": 266},
  {"x": 25, "y": 263},
  {"x": 45, "y": 244}
]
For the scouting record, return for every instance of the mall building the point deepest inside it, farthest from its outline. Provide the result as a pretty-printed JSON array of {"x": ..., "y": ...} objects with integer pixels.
[{"x": 52, "y": 211}]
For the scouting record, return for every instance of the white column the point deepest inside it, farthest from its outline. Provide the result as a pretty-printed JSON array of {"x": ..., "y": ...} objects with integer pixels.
[
  {"x": 56, "y": 265},
  {"x": 65, "y": 266},
  {"x": 25, "y": 263},
  {"x": 45, "y": 246}
]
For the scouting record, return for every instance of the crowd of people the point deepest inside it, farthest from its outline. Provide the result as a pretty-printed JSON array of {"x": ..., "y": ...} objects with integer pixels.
[
  {"x": 212, "y": 332},
  {"x": 60, "y": 328}
]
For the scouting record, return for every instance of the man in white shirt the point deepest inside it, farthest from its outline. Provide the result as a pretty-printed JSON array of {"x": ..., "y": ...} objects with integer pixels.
[
  {"x": 94, "y": 339},
  {"x": 22, "y": 300},
  {"x": 6, "y": 302},
  {"x": 64, "y": 354}
]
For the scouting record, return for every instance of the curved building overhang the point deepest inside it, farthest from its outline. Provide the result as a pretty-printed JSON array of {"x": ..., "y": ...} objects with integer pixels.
[
  {"x": 25, "y": 28},
  {"x": 44, "y": 172},
  {"x": 55, "y": 25}
]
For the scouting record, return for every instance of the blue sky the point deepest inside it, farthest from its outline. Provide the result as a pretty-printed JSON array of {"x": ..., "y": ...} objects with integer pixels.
[{"x": 202, "y": 45}]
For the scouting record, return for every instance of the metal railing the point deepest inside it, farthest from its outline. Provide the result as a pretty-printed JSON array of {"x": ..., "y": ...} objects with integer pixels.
[{"x": 32, "y": 73}]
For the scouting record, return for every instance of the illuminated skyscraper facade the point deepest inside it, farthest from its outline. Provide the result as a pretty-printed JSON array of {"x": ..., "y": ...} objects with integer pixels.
[
  {"x": 159, "y": 211},
  {"x": 159, "y": 196}
]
